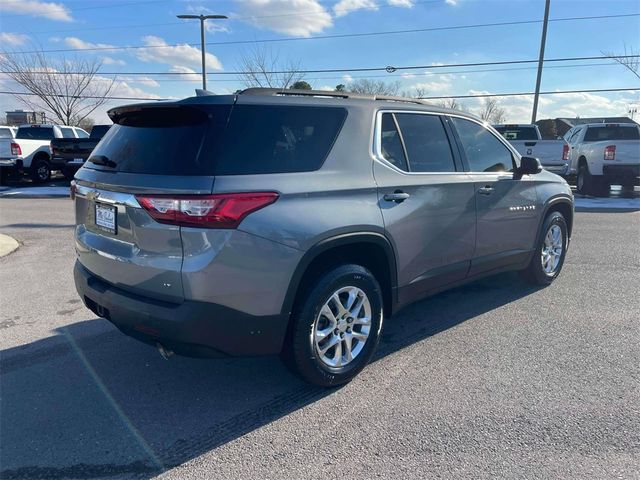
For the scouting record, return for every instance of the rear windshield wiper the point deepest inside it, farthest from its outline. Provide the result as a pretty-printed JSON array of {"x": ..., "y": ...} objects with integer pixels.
[{"x": 102, "y": 160}]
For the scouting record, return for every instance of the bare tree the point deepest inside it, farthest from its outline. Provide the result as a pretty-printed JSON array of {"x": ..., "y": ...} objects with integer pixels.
[
  {"x": 373, "y": 87},
  {"x": 262, "y": 67},
  {"x": 630, "y": 59},
  {"x": 492, "y": 112},
  {"x": 68, "y": 89}
]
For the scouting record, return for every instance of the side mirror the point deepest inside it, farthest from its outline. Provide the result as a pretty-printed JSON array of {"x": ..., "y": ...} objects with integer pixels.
[{"x": 529, "y": 166}]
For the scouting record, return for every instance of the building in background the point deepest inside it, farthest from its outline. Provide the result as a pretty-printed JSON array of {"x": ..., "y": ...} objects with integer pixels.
[{"x": 20, "y": 117}]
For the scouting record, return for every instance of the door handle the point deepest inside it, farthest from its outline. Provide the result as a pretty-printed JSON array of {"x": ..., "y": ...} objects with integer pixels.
[
  {"x": 397, "y": 196},
  {"x": 486, "y": 190}
]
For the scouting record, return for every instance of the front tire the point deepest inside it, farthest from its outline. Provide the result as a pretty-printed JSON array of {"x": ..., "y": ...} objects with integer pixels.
[
  {"x": 336, "y": 327},
  {"x": 550, "y": 251}
]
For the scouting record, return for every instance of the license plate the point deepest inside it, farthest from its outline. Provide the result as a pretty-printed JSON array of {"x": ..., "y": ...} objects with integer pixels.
[
  {"x": 78, "y": 160},
  {"x": 106, "y": 218}
]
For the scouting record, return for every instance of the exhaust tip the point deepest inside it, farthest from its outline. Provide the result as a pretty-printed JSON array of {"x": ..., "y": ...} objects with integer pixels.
[{"x": 164, "y": 352}]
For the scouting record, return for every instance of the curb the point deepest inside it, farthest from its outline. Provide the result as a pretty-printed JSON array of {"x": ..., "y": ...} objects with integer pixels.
[{"x": 7, "y": 245}]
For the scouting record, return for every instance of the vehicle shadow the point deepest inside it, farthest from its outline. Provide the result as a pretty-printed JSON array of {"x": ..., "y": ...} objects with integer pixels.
[{"x": 90, "y": 402}]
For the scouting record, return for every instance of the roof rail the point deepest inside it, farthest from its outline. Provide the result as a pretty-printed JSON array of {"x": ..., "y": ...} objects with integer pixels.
[{"x": 327, "y": 93}]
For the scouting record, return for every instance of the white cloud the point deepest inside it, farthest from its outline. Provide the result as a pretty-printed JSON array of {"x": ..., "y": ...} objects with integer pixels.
[
  {"x": 344, "y": 7},
  {"x": 434, "y": 88},
  {"x": 179, "y": 56},
  {"x": 75, "y": 42},
  {"x": 187, "y": 74},
  {"x": 451, "y": 2},
  {"x": 401, "y": 3},
  {"x": 146, "y": 81},
  {"x": 347, "y": 78},
  {"x": 290, "y": 17},
  {"x": 37, "y": 8},
  {"x": 13, "y": 39},
  {"x": 112, "y": 61}
]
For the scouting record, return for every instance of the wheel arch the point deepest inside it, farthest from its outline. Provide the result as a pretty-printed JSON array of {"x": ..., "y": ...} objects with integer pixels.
[
  {"x": 370, "y": 249},
  {"x": 563, "y": 205}
]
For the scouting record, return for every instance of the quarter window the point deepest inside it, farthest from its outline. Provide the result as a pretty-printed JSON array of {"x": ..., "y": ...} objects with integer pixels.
[
  {"x": 484, "y": 152},
  {"x": 391, "y": 144},
  {"x": 67, "y": 132},
  {"x": 426, "y": 142}
]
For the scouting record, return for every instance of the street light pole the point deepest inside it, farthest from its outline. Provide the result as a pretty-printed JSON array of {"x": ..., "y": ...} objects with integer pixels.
[
  {"x": 543, "y": 42},
  {"x": 202, "y": 19}
]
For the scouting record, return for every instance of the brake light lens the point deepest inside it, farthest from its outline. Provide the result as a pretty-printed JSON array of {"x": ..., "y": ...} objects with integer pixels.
[
  {"x": 565, "y": 152},
  {"x": 73, "y": 188},
  {"x": 15, "y": 149},
  {"x": 610, "y": 152},
  {"x": 225, "y": 210}
]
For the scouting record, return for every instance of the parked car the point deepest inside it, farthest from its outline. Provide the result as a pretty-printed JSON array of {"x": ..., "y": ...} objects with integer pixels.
[
  {"x": 604, "y": 154},
  {"x": 68, "y": 154},
  {"x": 526, "y": 139},
  {"x": 294, "y": 222},
  {"x": 30, "y": 150}
]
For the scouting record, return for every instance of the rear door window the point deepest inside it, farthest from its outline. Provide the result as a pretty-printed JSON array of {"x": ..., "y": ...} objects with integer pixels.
[
  {"x": 35, "y": 133},
  {"x": 277, "y": 139},
  {"x": 426, "y": 141}
]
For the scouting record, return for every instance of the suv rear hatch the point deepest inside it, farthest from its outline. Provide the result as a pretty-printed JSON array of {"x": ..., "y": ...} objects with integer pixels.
[{"x": 151, "y": 150}]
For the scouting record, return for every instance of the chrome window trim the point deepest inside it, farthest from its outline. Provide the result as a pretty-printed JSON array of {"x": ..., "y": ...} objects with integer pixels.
[{"x": 377, "y": 141}]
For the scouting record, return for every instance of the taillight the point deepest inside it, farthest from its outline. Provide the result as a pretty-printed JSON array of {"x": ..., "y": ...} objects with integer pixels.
[
  {"x": 565, "y": 152},
  {"x": 15, "y": 149},
  {"x": 610, "y": 152},
  {"x": 224, "y": 210},
  {"x": 73, "y": 188}
]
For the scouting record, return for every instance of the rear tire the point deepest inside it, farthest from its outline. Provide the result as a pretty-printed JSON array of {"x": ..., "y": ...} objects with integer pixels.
[
  {"x": 69, "y": 173},
  {"x": 335, "y": 327},
  {"x": 40, "y": 170},
  {"x": 584, "y": 180},
  {"x": 550, "y": 251}
]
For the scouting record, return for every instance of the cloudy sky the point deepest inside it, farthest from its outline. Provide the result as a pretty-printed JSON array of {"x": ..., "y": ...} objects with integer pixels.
[{"x": 312, "y": 32}]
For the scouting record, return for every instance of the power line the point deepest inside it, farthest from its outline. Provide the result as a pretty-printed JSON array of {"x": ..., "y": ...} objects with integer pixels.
[
  {"x": 521, "y": 94},
  {"x": 387, "y": 75},
  {"x": 480, "y": 95},
  {"x": 388, "y": 69},
  {"x": 335, "y": 36}
]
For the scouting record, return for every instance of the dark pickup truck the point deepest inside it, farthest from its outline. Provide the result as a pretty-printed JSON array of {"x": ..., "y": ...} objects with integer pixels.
[{"x": 69, "y": 154}]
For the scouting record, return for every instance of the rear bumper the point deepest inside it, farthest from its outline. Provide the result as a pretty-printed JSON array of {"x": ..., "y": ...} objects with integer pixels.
[
  {"x": 622, "y": 173},
  {"x": 66, "y": 162},
  {"x": 11, "y": 163},
  {"x": 190, "y": 328}
]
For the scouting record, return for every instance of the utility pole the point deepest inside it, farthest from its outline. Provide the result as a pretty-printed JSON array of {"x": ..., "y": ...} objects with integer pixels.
[
  {"x": 202, "y": 19},
  {"x": 543, "y": 42}
]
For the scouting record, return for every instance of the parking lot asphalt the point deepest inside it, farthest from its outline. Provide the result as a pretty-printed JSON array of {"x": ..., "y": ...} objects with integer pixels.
[{"x": 494, "y": 379}]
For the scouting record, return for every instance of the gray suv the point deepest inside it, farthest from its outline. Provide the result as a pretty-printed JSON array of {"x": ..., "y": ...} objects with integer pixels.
[{"x": 295, "y": 222}]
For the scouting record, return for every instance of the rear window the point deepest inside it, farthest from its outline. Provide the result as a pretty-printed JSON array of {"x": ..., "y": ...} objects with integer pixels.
[
  {"x": 255, "y": 139},
  {"x": 160, "y": 141},
  {"x": 98, "y": 131},
  {"x": 67, "y": 132},
  {"x": 35, "y": 133},
  {"x": 608, "y": 132},
  {"x": 512, "y": 132}
]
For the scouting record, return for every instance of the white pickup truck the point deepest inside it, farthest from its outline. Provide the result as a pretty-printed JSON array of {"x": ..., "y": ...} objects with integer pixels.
[
  {"x": 30, "y": 150},
  {"x": 603, "y": 154},
  {"x": 553, "y": 154}
]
